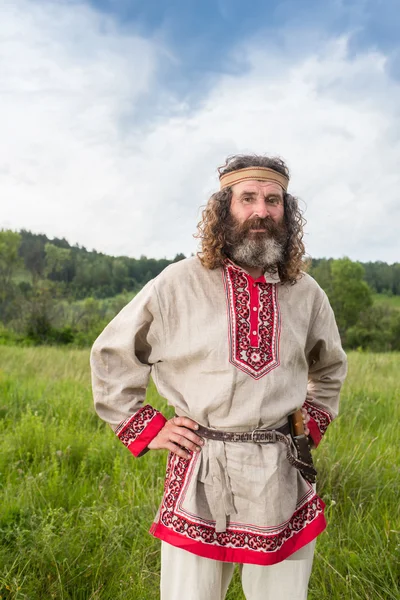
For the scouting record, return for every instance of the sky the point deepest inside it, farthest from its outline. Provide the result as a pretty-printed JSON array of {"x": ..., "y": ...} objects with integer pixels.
[{"x": 115, "y": 115}]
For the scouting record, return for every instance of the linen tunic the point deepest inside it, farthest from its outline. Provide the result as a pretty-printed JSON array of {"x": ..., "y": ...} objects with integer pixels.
[{"x": 235, "y": 354}]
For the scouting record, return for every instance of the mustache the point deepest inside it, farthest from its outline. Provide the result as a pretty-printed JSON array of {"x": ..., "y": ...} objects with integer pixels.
[
  {"x": 277, "y": 230},
  {"x": 257, "y": 223}
]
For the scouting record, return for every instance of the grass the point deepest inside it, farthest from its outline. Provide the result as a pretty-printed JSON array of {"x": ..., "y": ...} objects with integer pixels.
[
  {"x": 385, "y": 300},
  {"x": 76, "y": 506}
]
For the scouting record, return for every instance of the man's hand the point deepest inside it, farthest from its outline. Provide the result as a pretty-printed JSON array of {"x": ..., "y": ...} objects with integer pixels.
[
  {"x": 176, "y": 433},
  {"x": 306, "y": 418}
]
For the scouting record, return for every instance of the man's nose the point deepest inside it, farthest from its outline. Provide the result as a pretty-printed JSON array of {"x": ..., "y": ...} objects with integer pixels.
[{"x": 261, "y": 209}]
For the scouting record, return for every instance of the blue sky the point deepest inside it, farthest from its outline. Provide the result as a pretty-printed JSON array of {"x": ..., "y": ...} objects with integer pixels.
[
  {"x": 202, "y": 32},
  {"x": 116, "y": 114},
  {"x": 224, "y": 22}
]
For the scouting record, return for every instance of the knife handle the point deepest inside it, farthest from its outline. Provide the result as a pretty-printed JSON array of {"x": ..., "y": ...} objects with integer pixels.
[{"x": 297, "y": 423}]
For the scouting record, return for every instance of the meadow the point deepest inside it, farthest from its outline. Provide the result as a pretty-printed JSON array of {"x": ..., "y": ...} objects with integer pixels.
[
  {"x": 76, "y": 506},
  {"x": 384, "y": 300}
]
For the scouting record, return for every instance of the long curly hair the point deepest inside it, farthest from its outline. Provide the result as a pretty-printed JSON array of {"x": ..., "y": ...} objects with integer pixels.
[{"x": 211, "y": 229}]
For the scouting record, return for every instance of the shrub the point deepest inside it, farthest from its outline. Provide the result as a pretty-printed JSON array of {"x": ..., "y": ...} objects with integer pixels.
[{"x": 377, "y": 330}]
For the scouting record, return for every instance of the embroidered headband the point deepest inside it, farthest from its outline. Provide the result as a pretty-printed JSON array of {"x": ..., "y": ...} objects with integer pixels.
[{"x": 259, "y": 173}]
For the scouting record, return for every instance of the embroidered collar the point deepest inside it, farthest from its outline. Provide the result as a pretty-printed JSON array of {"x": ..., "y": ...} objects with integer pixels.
[{"x": 268, "y": 277}]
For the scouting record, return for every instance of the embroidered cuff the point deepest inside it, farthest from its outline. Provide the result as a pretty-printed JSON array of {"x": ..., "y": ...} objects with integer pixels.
[
  {"x": 137, "y": 431},
  {"x": 319, "y": 421}
]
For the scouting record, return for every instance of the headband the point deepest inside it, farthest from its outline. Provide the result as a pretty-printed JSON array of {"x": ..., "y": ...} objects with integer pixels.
[{"x": 258, "y": 173}]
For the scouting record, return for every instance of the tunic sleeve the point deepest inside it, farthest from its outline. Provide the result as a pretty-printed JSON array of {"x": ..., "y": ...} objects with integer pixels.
[
  {"x": 121, "y": 361},
  {"x": 327, "y": 370}
]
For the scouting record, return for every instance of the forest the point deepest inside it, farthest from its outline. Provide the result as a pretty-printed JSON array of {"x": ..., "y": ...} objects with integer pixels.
[{"x": 55, "y": 293}]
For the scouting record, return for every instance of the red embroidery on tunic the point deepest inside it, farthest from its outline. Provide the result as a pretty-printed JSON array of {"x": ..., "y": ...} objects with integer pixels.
[
  {"x": 242, "y": 537},
  {"x": 321, "y": 416},
  {"x": 130, "y": 429},
  {"x": 255, "y": 352}
]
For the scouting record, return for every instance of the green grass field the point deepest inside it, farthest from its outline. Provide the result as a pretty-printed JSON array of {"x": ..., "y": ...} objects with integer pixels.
[
  {"x": 76, "y": 506},
  {"x": 384, "y": 300}
]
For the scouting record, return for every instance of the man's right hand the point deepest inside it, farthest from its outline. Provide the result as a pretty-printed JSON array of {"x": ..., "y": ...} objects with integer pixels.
[{"x": 178, "y": 432}]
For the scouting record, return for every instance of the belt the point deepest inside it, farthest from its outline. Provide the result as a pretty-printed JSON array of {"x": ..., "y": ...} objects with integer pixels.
[
  {"x": 303, "y": 460},
  {"x": 257, "y": 436}
]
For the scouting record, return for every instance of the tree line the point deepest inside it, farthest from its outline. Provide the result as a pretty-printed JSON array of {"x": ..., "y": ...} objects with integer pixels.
[
  {"x": 52, "y": 292},
  {"x": 381, "y": 277},
  {"x": 85, "y": 273}
]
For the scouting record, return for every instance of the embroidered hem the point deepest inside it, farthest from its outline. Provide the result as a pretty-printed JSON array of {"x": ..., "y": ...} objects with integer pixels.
[
  {"x": 241, "y": 542},
  {"x": 137, "y": 431},
  {"x": 237, "y": 555}
]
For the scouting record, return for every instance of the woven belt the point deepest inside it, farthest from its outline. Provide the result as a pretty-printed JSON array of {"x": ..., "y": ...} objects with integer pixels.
[
  {"x": 267, "y": 436},
  {"x": 258, "y": 436}
]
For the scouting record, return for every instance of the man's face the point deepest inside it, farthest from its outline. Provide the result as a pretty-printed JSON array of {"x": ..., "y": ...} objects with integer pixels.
[
  {"x": 251, "y": 199},
  {"x": 256, "y": 232}
]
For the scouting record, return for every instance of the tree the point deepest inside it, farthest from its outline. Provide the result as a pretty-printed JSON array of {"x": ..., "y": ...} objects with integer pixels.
[
  {"x": 377, "y": 330},
  {"x": 9, "y": 260},
  {"x": 57, "y": 259},
  {"x": 179, "y": 257},
  {"x": 120, "y": 274},
  {"x": 321, "y": 271},
  {"x": 349, "y": 294},
  {"x": 33, "y": 254},
  {"x": 10, "y": 263}
]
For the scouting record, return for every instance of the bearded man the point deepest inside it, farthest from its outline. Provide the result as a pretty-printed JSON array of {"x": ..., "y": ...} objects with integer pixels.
[{"x": 237, "y": 339}]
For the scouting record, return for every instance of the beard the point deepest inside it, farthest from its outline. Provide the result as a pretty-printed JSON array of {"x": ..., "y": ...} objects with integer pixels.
[{"x": 261, "y": 249}]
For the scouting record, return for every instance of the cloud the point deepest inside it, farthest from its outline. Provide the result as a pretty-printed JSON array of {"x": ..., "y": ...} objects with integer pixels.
[
  {"x": 79, "y": 159},
  {"x": 71, "y": 80}
]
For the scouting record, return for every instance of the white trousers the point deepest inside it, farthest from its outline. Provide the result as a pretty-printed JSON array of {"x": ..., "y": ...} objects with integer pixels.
[{"x": 186, "y": 576}]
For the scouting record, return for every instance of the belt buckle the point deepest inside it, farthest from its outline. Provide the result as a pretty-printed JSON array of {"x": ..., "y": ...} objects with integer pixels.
[
  {"x": 255, "y": 435},
  {"x": 263, "y": 433}
]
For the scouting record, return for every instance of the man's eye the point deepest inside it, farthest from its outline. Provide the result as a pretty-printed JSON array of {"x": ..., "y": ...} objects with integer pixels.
[
  {"x": 272, "y": 200},
  {"x": 247, "y": 199}
]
